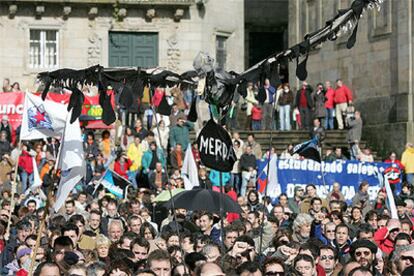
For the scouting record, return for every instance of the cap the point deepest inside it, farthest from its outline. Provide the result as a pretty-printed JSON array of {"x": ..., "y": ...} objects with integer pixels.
[
  {"x": 5, "y": 118},
  {"x": 22, "y": 252},
  {"x": 363, "y": 243}
]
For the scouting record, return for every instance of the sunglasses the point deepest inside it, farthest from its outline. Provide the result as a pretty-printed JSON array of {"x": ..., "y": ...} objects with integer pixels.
[
  {"x": 407, "y": 258},
  {"x": 274, "y": 273},
  {"x": 359, "y": 253},
  {"x": 323, "y": 258}
]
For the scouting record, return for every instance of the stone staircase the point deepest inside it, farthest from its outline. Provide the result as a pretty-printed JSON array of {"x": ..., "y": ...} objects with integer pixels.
[{"x": 334, "y": 138}]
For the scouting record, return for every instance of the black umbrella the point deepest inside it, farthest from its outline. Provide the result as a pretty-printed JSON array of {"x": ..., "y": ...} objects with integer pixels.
[{"x": 206, "y": 200}]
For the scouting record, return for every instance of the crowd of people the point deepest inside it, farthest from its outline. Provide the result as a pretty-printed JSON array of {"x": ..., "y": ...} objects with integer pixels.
[
  {"x": 330, "y": 105},
  {"x": 96, "y": 233}
]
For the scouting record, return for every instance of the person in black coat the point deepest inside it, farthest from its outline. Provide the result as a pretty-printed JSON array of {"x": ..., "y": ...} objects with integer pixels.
[
  {"x": 5, "y": 146},
  {"x": 5, "y": 126},
  {"x": 318, "y": 131},
  {"x": 248, "y": 168},
  {"x": 203, "y": 179}
]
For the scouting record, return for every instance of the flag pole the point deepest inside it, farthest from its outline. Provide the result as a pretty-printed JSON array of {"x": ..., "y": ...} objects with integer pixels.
[
  {"x": 14, "y": 183},
  {"x": 151, "y": 90},
  {"x": 221, "y": 212},
  {"x": 13, "y": 191},
  {"x": 269, "y": 157}
]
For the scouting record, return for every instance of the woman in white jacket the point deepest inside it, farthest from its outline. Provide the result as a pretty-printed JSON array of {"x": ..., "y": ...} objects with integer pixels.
[
  {"x": 250, "y": 100},
  {"x": 164, "y": 134}
]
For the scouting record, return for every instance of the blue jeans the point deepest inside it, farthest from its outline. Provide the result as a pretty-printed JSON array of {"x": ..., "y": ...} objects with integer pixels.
[
  {"x": 256, "y": 125},
  {"x": 354, "y": 151},
  {"x": 284, "y": 117},
  {"x": 410, "y": 178},
  {"x": 132, "y": 176},
  {"x": 235, "y": 181},
  {"x": 329, "y": 118},
  {"x": 24, "y": 177}
]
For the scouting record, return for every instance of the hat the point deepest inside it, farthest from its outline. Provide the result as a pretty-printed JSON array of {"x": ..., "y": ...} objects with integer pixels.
[
  {"x": 22, "y": 252},
  {"x": 87, "y": 242},
  {"x": 400, "y": 202},
  {"x": 181, "y": 117},
  {"x": 50, "y": 157},
  {"x": 71, "y": 258},
  {"x": 363, "y": 243},
  {"x": 5, "y": 118}
]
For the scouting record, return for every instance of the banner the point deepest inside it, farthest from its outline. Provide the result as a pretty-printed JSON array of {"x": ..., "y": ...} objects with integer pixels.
[
  {"x": 349, "y": 174},
  {"x": 11, "y": 104}
]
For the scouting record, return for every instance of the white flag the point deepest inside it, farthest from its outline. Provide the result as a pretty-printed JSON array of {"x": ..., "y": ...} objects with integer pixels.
[
  {"x": 189, "y": 171},
  {"x": 37, "y": 182},
  {"x": 273, "y": 187},
  {"x": 71, "y": 161},
  {"x": 42, "y": 119}
]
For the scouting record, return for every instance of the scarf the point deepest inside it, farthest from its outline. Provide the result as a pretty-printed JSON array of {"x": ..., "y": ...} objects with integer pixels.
[
  {"x": 179, "y": 158},
  {"x": 106, "y": 145},
  {"x": 158, "y": 179}
]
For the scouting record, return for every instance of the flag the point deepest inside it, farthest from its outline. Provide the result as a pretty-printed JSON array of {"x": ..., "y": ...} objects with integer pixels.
[
  {"x": 390, "y": 202},
  {"x": 189, "y": 171},
  {"x": 114, "y": 183},
  {"x": 309, "y": 150},
  {"x": 273, "y": 189},
  {"x": 71, "y": 160},
  {"x": 42, "y": 119},
  {"x": 37, "y": 182}
]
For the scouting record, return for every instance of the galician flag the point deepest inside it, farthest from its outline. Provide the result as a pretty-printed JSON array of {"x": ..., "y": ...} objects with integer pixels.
[
  {"x": 71, "y": 160},
  {"x": 42, "y": 119}
]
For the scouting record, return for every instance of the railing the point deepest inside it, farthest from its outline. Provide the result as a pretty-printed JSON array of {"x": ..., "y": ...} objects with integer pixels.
[{"x": 125, "y": 2}]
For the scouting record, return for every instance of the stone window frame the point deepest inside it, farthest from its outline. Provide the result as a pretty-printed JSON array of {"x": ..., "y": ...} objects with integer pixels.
[
  {"x": 226, "y": 35},
  {"x": 46, "y": 27},
  {"x": 43, "y": 33},
  {"x": 380, "y": 32}
]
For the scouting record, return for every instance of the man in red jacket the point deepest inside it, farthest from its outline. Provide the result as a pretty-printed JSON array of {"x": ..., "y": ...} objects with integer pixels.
[
  {"x": 343, "y": 97},
  {"x": 385, "y": 236}
]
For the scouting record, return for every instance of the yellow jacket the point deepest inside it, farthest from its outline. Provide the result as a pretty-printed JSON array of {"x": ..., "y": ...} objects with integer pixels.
[
  {"x": 135, "y": 154},
  {"x": 407, "y": 160}
]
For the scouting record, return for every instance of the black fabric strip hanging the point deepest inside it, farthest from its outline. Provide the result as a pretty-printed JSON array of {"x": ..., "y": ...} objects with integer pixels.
[
  {"x": 301, "y": 71},
  {"x": 75, "y": 103},
  {"x": 220, "y": 86},
  {"x": 192, "y": 115}
]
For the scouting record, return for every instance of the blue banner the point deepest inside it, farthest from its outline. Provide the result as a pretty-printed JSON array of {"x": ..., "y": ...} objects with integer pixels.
[{"x": 349, "y": 174}]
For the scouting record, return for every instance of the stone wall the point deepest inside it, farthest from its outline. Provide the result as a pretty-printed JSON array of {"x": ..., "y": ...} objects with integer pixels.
[
  {"x": 378, "y": 69},
  {"x": 83, "y": 35}
]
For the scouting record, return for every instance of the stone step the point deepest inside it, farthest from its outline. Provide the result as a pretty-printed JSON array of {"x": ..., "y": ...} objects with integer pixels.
[{"x": 334, "y": 138}]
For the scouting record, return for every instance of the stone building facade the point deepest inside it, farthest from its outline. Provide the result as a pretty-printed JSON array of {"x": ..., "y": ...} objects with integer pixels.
[
  {"x": 51, "y": 34},
  {"x": 379, "y": 69}
]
